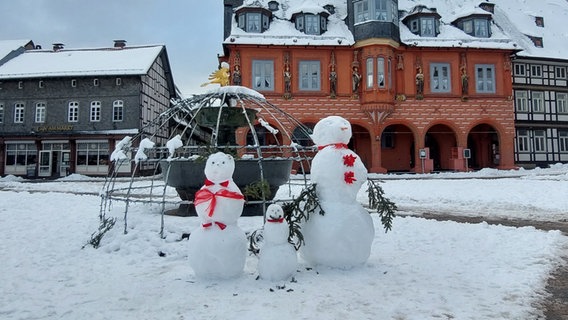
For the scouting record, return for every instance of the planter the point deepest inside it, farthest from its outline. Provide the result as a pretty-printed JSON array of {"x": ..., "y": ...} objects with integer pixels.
[{"x": 187, "y": 176}]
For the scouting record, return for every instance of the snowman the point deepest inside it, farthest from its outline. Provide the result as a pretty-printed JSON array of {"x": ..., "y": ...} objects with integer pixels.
[
  {"x": 342, "y": 237},
  {"x": 218, "y": 247},
  {"x": 278, "y": 259}
]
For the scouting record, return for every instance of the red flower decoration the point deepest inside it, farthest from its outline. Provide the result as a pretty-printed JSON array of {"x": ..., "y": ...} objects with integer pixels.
[
  {"x": 349, "y": 177},
  {"x": 349, "y": 160}
]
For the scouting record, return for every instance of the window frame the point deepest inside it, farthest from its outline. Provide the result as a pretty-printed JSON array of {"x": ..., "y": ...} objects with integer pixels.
[
  {"x": 40, "y": 112},
  {"x": 440, "y": 77},
  {"x": 522, "y": 140},
  {"x": 309, "y": 81},
  {"x": 1, "y": 112},
  {"x": 562, "y": 102},
  {"x": 95, "y": 111},
  {"x": 73, "y": 111},
  {"x": 537, "y": 107},
  {"x": 486, "y": 82},
  {"x": 520, "y": 69},
  {"x": 536, "y": 70},
  {"x": 563, "y": 141},
  {"x": 560, "y": 72},
  {"x": 260, "y": 71},
  {"x": 381, "y": 77},
  {"x": 370, "y": 72},
  {"x": 425, "y": 20},
  {"x": 117, "y": 111},
  {"x": 522, "y": 100},
  {"x": 375, "y": 10},
  {"x": 19, "y": 112},
  {"x": 539, "y": 139}
]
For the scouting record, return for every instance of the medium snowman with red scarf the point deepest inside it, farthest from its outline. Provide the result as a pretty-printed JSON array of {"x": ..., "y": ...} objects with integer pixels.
[
  {"x": 343, "y": 235},
  {"x": 218, "y": 247}
]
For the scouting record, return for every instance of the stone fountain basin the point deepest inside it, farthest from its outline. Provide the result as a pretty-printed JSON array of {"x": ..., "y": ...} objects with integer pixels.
[{"x": 187, "y": 176}]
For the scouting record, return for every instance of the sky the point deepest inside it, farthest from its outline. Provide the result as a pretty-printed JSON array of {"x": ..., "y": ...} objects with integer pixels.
[
  {"x": 191, "y": 30},
  {"x": 421, "y": 269}
]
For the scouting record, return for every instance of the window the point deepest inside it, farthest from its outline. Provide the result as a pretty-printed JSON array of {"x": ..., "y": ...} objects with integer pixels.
[
  {"x": 563, "y": 141},
  {"x": 427, "y": 27},
  {"x": 521, "y": 101},
  {"x": 19, "y": 109},
  {"x": 539, "y": 141},
  {"x": 73, "y": 83},
  {"x": 263, "y": 75},
  {"x": 381, "y": 72},
  {"x": 481, "y": 28},
  {"x": 520, "y": 69},
  {"x": 20, "y": 155},
  {"x": 40, "y": 84},
  {"x": 118, "y": 81},
  {"x": 95, "y": 111},
  {"x": 485, "y": 78},
  {"x": 562, "y": 102},
  {"x": 255, "y": 22},
  {"x": 440, "y": 77},
  {"x": 117, "y": 111},
  {"x": 1, "y": 113},
  {"x": 40, "y": 112},
  {"x": 538, "y": 102},
  {"x": 536, "y": 71},
  {"x": 96, "y": 82},
  {"x": 522, "y": 141},
  {"x": 378, "y": 10},
  {"x": 92, "y": 153},
  {"x": 73, "y": 112},
  {"x": 370, "y": 72},
  {"x": 561, "y": 73},
  {"x": 309, "y": 75},
  {"x": 414, "y": 26},
  {"x": 312, "y": 24}
]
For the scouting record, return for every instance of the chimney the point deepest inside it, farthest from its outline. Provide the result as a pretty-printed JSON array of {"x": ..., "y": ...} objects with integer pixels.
[
  {"x": 58, "y": 46},
  {"x": 489, "y": 7},
  {"x": 119, "y": 43}
]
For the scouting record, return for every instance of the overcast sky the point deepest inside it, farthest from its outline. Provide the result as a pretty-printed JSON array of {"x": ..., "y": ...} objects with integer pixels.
[{"x": 192, "y": 30}]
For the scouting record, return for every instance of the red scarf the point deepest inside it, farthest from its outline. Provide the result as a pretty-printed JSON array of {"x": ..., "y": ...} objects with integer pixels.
[
  {"x": 335, "y": 145},
  {"x": 209, "y": 183},
  {"x": 221, "y": 226},
  {"x": 205, "y": 195}
]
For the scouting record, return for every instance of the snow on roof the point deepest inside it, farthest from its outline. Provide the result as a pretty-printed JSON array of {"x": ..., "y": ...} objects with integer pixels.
[
  {"x": 283, "y": 32},
  {"x": 7, "y": 46},
  {"x": 81, "y": 62},
  {"x": 451, "y": 36}
]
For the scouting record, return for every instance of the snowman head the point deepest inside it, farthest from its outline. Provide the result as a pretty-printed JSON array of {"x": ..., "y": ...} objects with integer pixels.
[
  {"x": 331, "y": 130},
  {"x": 219, "y": 167},
  {"x": 274, "y": 213}
]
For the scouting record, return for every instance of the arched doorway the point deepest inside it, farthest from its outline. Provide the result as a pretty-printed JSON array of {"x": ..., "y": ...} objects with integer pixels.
[
  {"x": 440, "y": 139},
  {"x": 300, "y": 136},
  {"x": 397, "y": 148},
  {"x": 483, "y": 141},
  {"x": 361, "y": 144}
]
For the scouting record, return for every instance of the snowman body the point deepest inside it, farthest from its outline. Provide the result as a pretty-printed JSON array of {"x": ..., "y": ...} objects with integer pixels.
[
  {"x": 343, "y": 236},
  {"x": 218, "y": 247},
  {"x": 278, "y": 259}
]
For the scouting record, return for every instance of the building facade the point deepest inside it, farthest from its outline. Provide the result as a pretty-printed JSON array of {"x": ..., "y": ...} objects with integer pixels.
[
  {"x": 62, "y": 111},
  {"x": 418, "y": 97}
]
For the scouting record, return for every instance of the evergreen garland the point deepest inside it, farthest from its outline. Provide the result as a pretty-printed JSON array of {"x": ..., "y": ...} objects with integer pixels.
[{"x": 383, "y": 206}]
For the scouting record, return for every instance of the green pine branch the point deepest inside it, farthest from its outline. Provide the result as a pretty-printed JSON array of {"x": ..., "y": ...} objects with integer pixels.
[{"x": 383, "y": 206}]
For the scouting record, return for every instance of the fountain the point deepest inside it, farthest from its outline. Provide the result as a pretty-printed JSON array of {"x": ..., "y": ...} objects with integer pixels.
[{"x": 232, "y": 119}]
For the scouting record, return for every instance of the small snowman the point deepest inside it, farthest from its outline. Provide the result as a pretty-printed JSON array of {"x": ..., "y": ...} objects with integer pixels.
[
  {"x": 218, "y": 247},
  {"x": 278, "y": 259},
  {"x": 342, "y": 237}
]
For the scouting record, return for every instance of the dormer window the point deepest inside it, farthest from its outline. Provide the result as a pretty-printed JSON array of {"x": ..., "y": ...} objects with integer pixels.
[
  {"x": 254, "y": 20},
  {"x": 539, "y": 21},
  {"x": 475, "y": 26},
  {"x": 423, "y": 21},
  {"x": 311, "y": 23}
]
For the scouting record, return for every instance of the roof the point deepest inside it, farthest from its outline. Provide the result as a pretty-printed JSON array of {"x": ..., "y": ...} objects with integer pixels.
[
  {"x": 7, "y": 46},
  {"x": 283, "y": 32},
  {"x": 135, "y": 60},
  {"x": 512, "y": 22}
]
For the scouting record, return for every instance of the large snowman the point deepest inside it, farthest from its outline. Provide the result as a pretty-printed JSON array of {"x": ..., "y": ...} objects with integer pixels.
[
  {"x": 343, "y": 236},
  {"x": 278, "y": 259},
  {"x": 218, "y": 247}
]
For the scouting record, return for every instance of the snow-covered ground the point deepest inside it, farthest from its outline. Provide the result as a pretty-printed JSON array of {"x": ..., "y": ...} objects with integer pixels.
[{"x": 422, "y": 269}]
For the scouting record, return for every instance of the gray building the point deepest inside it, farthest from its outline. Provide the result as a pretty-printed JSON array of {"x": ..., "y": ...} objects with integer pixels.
[{"x": 63, "y": 110}]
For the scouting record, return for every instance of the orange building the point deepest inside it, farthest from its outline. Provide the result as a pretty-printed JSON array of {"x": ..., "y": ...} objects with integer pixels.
[{"x": 419, "y": 98}]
